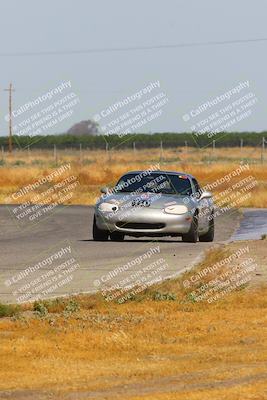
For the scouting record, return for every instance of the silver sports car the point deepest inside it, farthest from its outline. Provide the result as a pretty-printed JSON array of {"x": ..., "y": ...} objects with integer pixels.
[{"x": 154, "y": 203}]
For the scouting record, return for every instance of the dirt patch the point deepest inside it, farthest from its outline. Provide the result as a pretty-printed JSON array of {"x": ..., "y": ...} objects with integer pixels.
[
  {"x": 171, "y": 384},
  {"x": 258, "y": 252}
]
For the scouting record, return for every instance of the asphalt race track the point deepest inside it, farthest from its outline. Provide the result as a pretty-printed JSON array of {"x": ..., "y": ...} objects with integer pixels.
[{"x": 82, "y": 264}]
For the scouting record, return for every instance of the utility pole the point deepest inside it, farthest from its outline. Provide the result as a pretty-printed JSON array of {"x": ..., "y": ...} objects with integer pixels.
[
  {"x": 108, "y": 152},
  {"x": 55, "y": 154},
  {"x": 81, "y": 157},
  {"x": 10, "y": 90},
  {"x": 185, "y": 143},
  {"x": 262, "y": 149},
  {"x": 161, "y": 150}
]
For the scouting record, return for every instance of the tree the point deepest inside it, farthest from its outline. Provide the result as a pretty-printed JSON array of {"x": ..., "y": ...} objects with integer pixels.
[{"x": 87, "y": 127}]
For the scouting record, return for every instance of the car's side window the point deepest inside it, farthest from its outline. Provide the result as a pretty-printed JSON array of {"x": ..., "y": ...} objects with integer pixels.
[{"x": 197, "y": 187}]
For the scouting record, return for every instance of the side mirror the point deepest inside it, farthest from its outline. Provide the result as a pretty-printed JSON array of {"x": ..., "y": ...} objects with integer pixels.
[
  {"x": 205, "y": 195},
  {"x": 104, "y": 190}
]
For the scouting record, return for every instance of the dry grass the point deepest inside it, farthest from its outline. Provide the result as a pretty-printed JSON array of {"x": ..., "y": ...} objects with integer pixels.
[
  {"x": 144, "y": 349},
  {"x": 97, "y": 168}
]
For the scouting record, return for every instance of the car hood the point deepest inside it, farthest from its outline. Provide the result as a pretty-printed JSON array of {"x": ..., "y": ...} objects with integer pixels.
[{"x": 156, "y": 201}]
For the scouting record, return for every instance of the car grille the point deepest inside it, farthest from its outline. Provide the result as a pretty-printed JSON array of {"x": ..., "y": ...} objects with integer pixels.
[{"x": 139, "y": 225}]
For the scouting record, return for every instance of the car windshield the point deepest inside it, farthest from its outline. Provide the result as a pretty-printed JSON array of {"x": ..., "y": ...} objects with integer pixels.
[{"x": 154, "y": 182}]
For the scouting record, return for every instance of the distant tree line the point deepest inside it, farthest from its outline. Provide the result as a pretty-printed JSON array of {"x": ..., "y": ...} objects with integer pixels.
[{"x": 168, "y": 140}]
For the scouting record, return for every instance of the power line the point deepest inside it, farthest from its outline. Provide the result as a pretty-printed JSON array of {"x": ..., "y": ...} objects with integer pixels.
[{"x": 131, "y": 48}]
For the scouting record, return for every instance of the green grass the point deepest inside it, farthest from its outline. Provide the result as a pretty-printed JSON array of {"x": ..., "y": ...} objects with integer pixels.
[{"x": 8, "y": 310}]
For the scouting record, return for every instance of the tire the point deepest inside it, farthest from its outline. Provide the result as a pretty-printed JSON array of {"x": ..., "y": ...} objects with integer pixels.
[
  {"x": 192, "y": 235},
  {"x": 98, "y": 234},
  {"x": 117, "y": 236},
  {"x": 209, "y": 236}
]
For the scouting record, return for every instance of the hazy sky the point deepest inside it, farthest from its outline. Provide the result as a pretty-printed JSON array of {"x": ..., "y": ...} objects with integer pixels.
[{"x": 189, "y": 76}]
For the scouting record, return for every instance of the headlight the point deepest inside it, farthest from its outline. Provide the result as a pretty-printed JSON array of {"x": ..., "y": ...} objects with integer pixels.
[
  {"x": 176, "y": 209},
  {"x": 107, "y": 207}
]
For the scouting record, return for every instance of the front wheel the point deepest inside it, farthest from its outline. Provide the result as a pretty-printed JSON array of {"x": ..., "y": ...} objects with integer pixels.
[
  {"x": 117, "y": 236},
  {"x": 98, "y": 234},
  {"x": 209, "y": 236},
  {"x": 192, "y": 235}
]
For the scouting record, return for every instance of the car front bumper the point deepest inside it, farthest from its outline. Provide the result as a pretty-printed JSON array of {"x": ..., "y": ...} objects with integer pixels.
[{"x": 144, "y": 222}]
